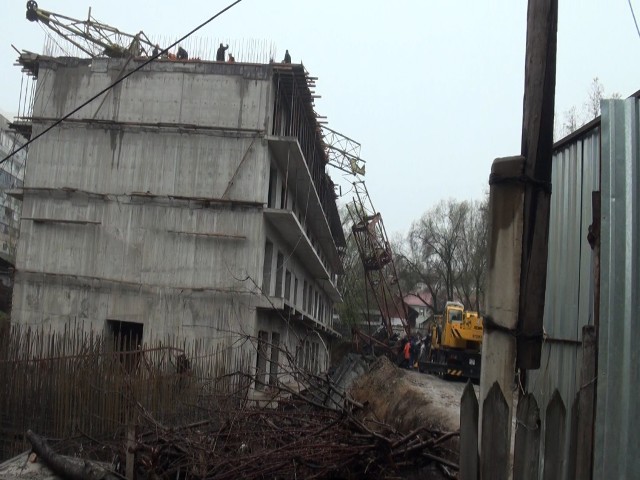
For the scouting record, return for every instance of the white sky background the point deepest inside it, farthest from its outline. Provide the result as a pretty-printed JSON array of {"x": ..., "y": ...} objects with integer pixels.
[{"x": 431, "y": 88}]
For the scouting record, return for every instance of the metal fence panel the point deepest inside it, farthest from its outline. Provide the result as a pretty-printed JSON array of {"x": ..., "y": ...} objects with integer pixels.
[
  {"x": 570, "y": 279},
  {"x": 618, "y": 409}
]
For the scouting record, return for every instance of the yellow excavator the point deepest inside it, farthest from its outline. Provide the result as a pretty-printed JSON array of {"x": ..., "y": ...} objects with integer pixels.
[{"x": 455, "y": 343}]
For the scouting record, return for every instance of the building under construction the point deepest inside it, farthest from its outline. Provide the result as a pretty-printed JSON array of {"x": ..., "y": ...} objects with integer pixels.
[
  {"x": 190, "y": 200},
  {"x": 11, "y": 177}
]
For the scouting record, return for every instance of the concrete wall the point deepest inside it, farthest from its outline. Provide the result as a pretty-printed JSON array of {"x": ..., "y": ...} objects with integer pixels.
[
  {"x": 147, "y": 241},
  {"x": 102, "y": 220},
  {"x": 56, "y": 300},
  {"x": 190, "y": 93},
  {"x": 161, "y": 162}
]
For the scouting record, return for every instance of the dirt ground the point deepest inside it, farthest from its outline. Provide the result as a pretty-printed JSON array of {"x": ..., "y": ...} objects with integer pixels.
[{"x": 408, "y": 399}]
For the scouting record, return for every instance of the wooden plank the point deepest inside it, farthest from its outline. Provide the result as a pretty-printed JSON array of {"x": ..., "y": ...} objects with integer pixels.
[
  {"x": 586, "y": 403},
  {"x": 468, "y": 434},
  {"x": 537, "y": 148},
  {"x": 494, "y": 457},
  {"x": 527, "y": 445},
  {"x": 594, "y": 241},
  {"x": 554, "y": 438},
  {"x": 573, "y": 439}
]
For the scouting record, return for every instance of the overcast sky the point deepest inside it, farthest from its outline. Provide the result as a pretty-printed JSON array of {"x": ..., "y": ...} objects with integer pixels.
[{"x": 432, "y": 89}]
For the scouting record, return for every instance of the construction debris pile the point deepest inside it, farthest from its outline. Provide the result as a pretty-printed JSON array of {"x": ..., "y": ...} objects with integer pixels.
[{"x": 297, "y": 437}]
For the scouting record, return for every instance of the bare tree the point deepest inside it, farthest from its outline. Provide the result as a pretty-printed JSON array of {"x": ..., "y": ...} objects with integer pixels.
[
  {"x": 473, "y": 255},
  {"x": 596, "y": 93},
  {"x": 575, "y": 118},
  {"x": 445, "y": 252},
  {"x": 572, "y": 121}
]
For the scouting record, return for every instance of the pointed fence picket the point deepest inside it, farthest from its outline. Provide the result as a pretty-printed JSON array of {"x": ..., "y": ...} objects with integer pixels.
[
  {"x": 554, "y": 437},
  {"x": 527, "y": 442},
  {"x": 469, "y": 434},
  {"x": 494, "y": 458},
  {"x": 539, "y": 451}
]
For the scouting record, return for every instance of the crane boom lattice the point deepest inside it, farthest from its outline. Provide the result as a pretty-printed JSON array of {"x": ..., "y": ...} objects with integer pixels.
[
  {"x": 377, "y": 259},
  {"x": 368, "y": 232},
  {"x": 90, "y": 36},
  {"x": 343, "y": 152}
]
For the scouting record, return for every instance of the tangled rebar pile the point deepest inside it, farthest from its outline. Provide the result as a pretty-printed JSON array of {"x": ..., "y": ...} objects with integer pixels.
[
  {"x": 293, "y": 440},
  {"x": 307, "y": 427}
]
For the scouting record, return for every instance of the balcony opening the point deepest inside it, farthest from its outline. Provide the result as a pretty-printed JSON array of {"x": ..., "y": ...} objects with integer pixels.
[
  {"x": 279, "y": 274},
  {"x": 261, "y": 360},
  {"x": 283, "y": 198},
  {"x": 287, "y": 285},
  {"x": 266, "y": 268},
  {"x": 271, "y": 196},
  {"x": 275, "y": 358}
]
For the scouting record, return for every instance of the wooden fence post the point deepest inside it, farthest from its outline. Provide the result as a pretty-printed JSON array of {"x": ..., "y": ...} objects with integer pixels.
[
  {"x": 527, "y": 447},
  {"x": 573, "y": 438},
  {"x": 130, "y": 455},
  {"x": 494, "y": 455},
  {"x": 468, "y": 434},
  {"x": 554, "y": 438},
  {"x": 586, "y": 403},
  {"x": 537, "y": 147}
]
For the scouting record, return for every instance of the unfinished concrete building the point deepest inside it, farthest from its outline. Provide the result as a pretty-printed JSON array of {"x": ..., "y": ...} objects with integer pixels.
[
  {"x": 11, "y": 177},
  {"x": 190, "y": 201}
]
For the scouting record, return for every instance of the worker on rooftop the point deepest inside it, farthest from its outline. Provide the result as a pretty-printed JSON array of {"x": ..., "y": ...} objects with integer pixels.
[
  {"x": 182, "y": 54},
  {"x": 287, "y": 57},
  {"x": 156, "y": 50},
  {"x": 220, "y": 53},
  {"x": 231, "y": 59}
]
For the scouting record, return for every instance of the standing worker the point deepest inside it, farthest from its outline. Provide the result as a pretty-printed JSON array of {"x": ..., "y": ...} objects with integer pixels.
[
  {"x": 220, "y": 53},
  {"x": 407, "y": 354},
  {"x": 287, "y": 57}
]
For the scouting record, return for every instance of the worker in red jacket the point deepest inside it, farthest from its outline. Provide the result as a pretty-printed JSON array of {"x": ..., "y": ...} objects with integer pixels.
[{"x": 407, "y": 354}]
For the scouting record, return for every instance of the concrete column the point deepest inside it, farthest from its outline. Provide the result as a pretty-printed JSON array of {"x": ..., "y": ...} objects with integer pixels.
[{"x": 506, "y": 207}]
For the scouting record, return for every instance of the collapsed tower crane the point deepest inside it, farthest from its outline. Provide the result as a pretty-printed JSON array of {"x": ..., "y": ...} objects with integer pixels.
[
  {"x": 369, "y": 234},
  {"x": 377, "y": 259},
  {"x": 90, "y": 36}
]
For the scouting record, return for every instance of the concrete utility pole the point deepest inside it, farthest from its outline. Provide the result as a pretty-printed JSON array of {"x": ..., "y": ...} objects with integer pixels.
[{"x": 519, "y": 218}]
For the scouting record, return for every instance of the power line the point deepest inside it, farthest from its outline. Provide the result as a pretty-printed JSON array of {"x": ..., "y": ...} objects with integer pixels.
[
  {"x": 634, "y": 17},
  {"x": 119, "y": 80}
]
